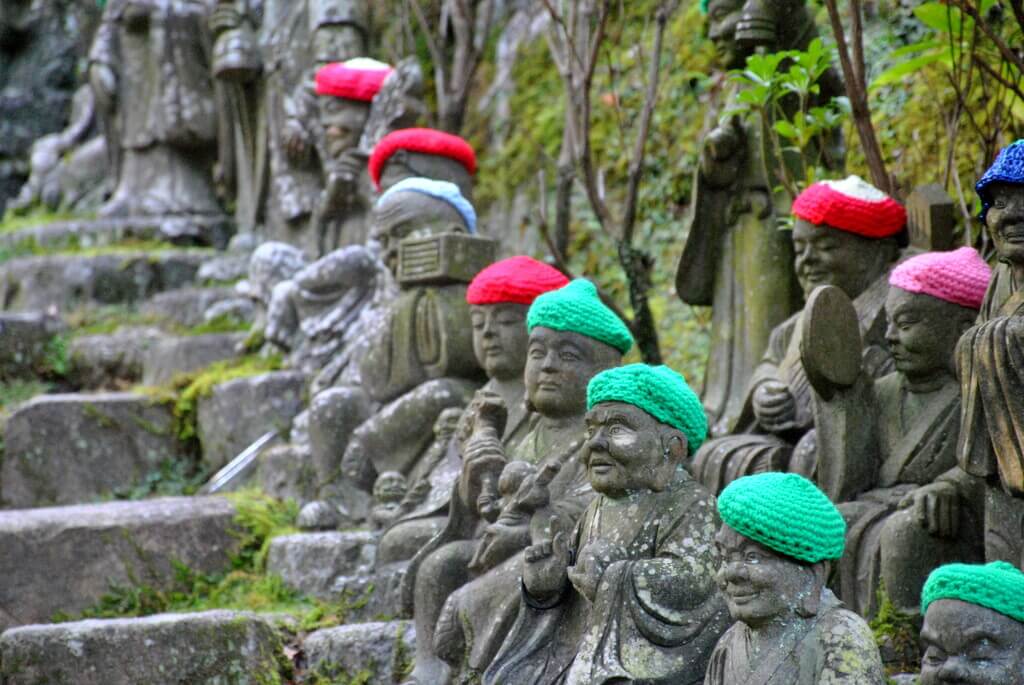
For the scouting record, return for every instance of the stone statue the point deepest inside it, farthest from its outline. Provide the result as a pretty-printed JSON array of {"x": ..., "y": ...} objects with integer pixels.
[
  {"x": 389, "y": 491},
  {"x": 466, "y": 591},
  {"x": 880, "y": 440},
  {"x": 630, "y": 594},
  {"x": 779, "y": 535},
  {"x": 270, "y": 264},
  {"x": 423, "y": 152},
  {"x": 150, "y": 72},
  {"x": 834, "y": 246},
  {"x": 973, "y": 625},
  {"x": 734, "y": 246}
]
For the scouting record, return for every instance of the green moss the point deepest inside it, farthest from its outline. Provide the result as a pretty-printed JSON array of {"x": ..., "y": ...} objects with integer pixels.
[
  {"x": 108, "y": 318},
  {"x": 14, "y": 392},
  {"x": 37, "y": 216},
  {"x": 897, "y": 633},
  {"x": 225, "y": 323}
]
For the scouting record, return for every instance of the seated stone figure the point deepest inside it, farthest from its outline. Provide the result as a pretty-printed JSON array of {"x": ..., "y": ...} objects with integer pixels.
[
  {"x": 630, "y": 594},
  {"x": 845, "y": 235},
  {"x": 498, "y": 297},
  {"x": 880, "y": 441},
  {"x": 973, "y": 625},
  {"x": 423, "y": 152},
  {"x": 389, "y": 491},
  {"x": 573, "y": 336},
  {"x": 778, "y": 536}
]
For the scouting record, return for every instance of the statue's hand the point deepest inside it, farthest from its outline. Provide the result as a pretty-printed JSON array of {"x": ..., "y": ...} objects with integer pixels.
[
  {"x": 594, "y": 559},
  {"x": 104, "y": 85},
  {"x": 774, "y": 406},
  {"x": 544, "y": 567},
  {"x": 296, "y": 142},
  {"x": 936, "y": 507},
  {"x": 489, "y": 408}
]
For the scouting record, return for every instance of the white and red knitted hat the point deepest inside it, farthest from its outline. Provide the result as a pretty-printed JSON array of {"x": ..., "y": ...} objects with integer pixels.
[
  {"x": 852, "y": 205},
  {"x": 960, "y": 276},
  {"x": 356, "y": 79}
]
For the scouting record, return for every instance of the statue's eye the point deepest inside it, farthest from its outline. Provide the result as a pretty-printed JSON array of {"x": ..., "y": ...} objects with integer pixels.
[
  {"x": 999, "y": 203},
  {"x": 752, "y": 558}
]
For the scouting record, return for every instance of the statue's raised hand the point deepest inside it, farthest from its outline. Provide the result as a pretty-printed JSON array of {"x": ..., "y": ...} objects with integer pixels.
[
  {"x": 594, "y": 559},
  {"x": 722, "y": 153},
  {"x": 545, "y": 565},
  {"x": 936, "y": 507},
  {"x": 774, "y": 406},
  {"x": 104, "y": 85},
  {"x": 296, "y": 143}
]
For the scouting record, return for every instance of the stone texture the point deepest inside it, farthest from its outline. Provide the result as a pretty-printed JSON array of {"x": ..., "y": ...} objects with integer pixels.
[
  {"x": 286, "y": 472},
  {"x": 222, "y": 647},
  {"x": 225, "y": 268},
  {"x": 63, "y": 559},
  {"x": 23, "y": 343},
  {"x": 372, "y": 596},
  {"x": 381, "y": 650},
  {"x": 185, "y": 306},
  {"x": 240, "y": 411},
  {"x": 67, "y": 449},
  {"x": 171, "y": 356},
  {"x": 101, "y": 232},
  {"x": 106, "y": 361},
  {"x": 312, "y": 562}
]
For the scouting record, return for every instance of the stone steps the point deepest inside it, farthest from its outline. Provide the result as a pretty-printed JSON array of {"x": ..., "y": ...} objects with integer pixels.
[
  {"x": 24, "y": 343},
  {"x": 381, "y": 653},
  {"x": 213, "y": 231}
]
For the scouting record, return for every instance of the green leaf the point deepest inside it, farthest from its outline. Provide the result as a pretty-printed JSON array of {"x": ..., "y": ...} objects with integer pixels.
[
  {"x": 895, "y": 74},
  {"x": 944, "y": 18},
  {"x": 786, "y": 129}
]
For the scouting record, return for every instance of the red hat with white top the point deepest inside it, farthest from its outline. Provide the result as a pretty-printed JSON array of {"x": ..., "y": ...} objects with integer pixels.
[
  {"x": 356, "y": 79},
  {"x": 852, "y": 205}
]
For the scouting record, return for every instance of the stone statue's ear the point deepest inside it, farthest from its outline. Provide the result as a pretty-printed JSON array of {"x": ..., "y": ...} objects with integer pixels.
[
  {"x": 673, "y": 445},
  {"x": 811, "y": 602}
]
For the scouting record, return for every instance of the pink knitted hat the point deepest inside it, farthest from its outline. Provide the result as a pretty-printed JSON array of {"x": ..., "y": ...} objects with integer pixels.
[
  {"x": 852, "y": 205},
  {"x": 960, "y": 276},
  {"x": 516, "y": 280},
  {"x": 357, "y": 79}
]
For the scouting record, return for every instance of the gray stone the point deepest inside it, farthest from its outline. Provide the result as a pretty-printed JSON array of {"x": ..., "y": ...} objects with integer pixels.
[
  {"x": 185, "y": 306},
  {"x": 312, "y": 562},
  {"x": 372, "y": 596},
  {"x": 240, "y": 411},
  {"x": 64, "y": 559},
  {"x": 378, "y": 651},
  {"x": 67, "y": 449},
  {"x": 225, "y": 268},
  {"x": 213, "y": 231},
  {"x": 105, "y": 361},
  {"x": 172, "y": 356},
  {"x": 286, "y": 472},
  {"x": 24, "y": 339},
  {"x": 211, "y": 647}
]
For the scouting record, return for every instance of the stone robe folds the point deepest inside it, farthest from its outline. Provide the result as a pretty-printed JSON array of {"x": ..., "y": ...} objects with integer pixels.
[{"x": 656, "y": 615}]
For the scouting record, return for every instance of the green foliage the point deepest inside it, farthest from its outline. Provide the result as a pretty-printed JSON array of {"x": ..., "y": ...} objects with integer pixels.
[
  {"x": 14, "y": 392},
  {"x": 54, "y": 362},
  {"x": 107, "y": 319},
  {"x": 173, "y": 478},
  {"x": 37, "y": 216},
  {"x": 897, "y": 632},
  {"x": 225, "y": 323}
]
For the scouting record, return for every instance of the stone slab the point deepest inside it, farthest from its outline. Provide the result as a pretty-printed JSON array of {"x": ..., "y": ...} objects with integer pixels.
[
  {"x": 312, "y": 562},
  {"x": 171, "y": 356},
  {"x": 75, "y": 448},
  {"x": 215, "y": 647},
  {"x": 380, "y": 653},
  {"x": 185, "y": 306},
  {"x": 372, "y": 596},
  {"x": 64, "y": 559},
  {"x": 110, "y": 360},
  {"x": 23, "y": 343},
  {"x": 213, "y": 231},
  {"x": 286, "y": 472}
]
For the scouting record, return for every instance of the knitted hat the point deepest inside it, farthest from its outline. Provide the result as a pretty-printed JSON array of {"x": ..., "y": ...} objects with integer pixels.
[
  {"x": 442, "y": 190},
  {"x": 357, "y": 79},
  {"x": 423, "y": 140},
  {"x": 960, "y": 276},
  {"x": 852, "y": 205},
  {"x": 998, "y": 586},
  {"x": 659, "y": 391},
  {"x": 1008, "y": 168},
  {"x": 786, "y": 512},
  {"x": 516, "y": 280},
  {"x": 577, "y": 308}
]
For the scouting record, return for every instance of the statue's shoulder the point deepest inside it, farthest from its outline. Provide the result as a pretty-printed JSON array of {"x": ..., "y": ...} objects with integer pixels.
[{"x": 849, "y": 649}]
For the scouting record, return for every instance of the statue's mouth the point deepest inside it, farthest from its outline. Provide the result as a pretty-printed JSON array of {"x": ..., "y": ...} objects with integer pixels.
[
  {"x": 1014, "y": 234},
  {"x": 753, "y": 31}
]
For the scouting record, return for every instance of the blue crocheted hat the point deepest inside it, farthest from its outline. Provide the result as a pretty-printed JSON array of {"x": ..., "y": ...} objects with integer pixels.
[
  {"x": 787, "y": 513},
  {"x": 1008, "y": 168},
  {"x": 998, "y": 586},
  {"x": 659, "y": 391},
  {"x": 577, "y": 308},
  {"x": 442, "y": 190}
]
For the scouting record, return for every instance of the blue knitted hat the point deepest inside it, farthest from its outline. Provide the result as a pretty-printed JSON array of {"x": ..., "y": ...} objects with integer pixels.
[
  {"x": 1008, "y": 168},
  {"x": 577, "y": 308},
  {"x": 998, "y": 586},
  {"x": 659, "y": 391},
  {"x": 785, "y": 512},
  {"x": 442, "y": 190}
]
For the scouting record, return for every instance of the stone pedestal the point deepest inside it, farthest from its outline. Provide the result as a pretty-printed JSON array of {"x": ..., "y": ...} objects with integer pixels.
[{"x": 371, "y": 653}]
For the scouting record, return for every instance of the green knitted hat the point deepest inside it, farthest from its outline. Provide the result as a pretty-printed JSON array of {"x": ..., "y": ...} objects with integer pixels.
[
  {"x": 659, "y": 391},
  {"x": 577, "y": 308},
  {"x": 786, "y": 512},
  {"x": 998, "y": 586}
]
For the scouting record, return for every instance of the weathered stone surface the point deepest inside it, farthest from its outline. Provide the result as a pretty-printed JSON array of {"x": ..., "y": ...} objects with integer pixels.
[
  {"x": 23, "y": 342},
  {"x": 185, "y": 306},
  {"x": 63, "y": 559},
  {"x": 372, "y": 596},
  {"x": 240, "y": 411},
  {"x": 213, "y": 231},
  {"x": 65, "y": 281},
  {"x": 171, "y": 356},
  {"x": 312, "y": 562},
  {"x": 67, "y": 449},
  {"x": 381, "y": 651},
  {"x": 286, "y": 472},
  {"x": 223, "y": 647},
  {"x": 104, "y": 361},
  {"x": 225, "y": 268}
]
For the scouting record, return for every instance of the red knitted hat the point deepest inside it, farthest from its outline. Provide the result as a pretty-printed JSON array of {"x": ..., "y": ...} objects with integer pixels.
[
  {"x": 852, "y": 205},
  {"x": 423, "y": 140},
  {"x": 960, "y": 276},
  {"x": 516, "y": 280},
  {"x": 357, "y": 79}
]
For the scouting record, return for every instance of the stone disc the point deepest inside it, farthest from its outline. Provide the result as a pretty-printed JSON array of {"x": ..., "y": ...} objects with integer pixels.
[{"x": 830, "y": 344}]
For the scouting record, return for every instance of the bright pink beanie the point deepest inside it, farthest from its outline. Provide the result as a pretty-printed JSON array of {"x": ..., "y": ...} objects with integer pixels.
[
  {"x": 357, "y": 79},
  {"x": 960, "y": 276},
  {"x": 516, "y": 280},
  {"x": 852, "y": 205},
  {"x": 423, "y": 140}
]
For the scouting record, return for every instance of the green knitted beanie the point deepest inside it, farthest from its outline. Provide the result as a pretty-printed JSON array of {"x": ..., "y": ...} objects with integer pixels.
[
  {"x": 998, "y": 586},
  {"x": 577, "y": 308},
  {"x": 786, "y": 512},
  {"x": 659, "y": 391}
]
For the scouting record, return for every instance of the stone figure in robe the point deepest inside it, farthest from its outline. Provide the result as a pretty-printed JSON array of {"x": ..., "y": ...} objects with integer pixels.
[
  {"x": 630, "y": 593},
  {"x": 852, "y": 251},
  {"x": 779, "y": 535},
  {"x": 465, "y": 590}
]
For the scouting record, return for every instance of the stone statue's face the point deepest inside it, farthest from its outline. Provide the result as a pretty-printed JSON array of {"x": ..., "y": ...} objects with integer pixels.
[
  {"x": 722, "y": 18},
  {"x": 1005, "y": 221},
  {"x": 337, "y": 43},
  {"x": 410, "y": 215},
  {"x": 922, "y": 333},
  {"x": 624, "y": 452},
  {"x": 390, "y": 486},
  {"x": 343, "y": 122},
  {"x": 500, "y": 339},
  {"x": 829, "y": 256},
  {"x": 559, "y": 364},
  {"x": 447, "y": 423},
  {"x": 759, "y": 584},
  {"x": 970, "y": 645}
]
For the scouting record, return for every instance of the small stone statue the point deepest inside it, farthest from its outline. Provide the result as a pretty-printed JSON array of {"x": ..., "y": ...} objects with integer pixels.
[
  {"x": 270, "y": 264},
  {"x": 389, "y": 491},
  {"x": 630, "y": 594},
  {"x": 778, "y": 536},
  {"x": 973, "y": 625},
  {"x": 423, "y": 152},
  {"x": 845, "y": 235},
  {"x": 880, "y": 441},
  {"x": 573, "y": 337}
]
